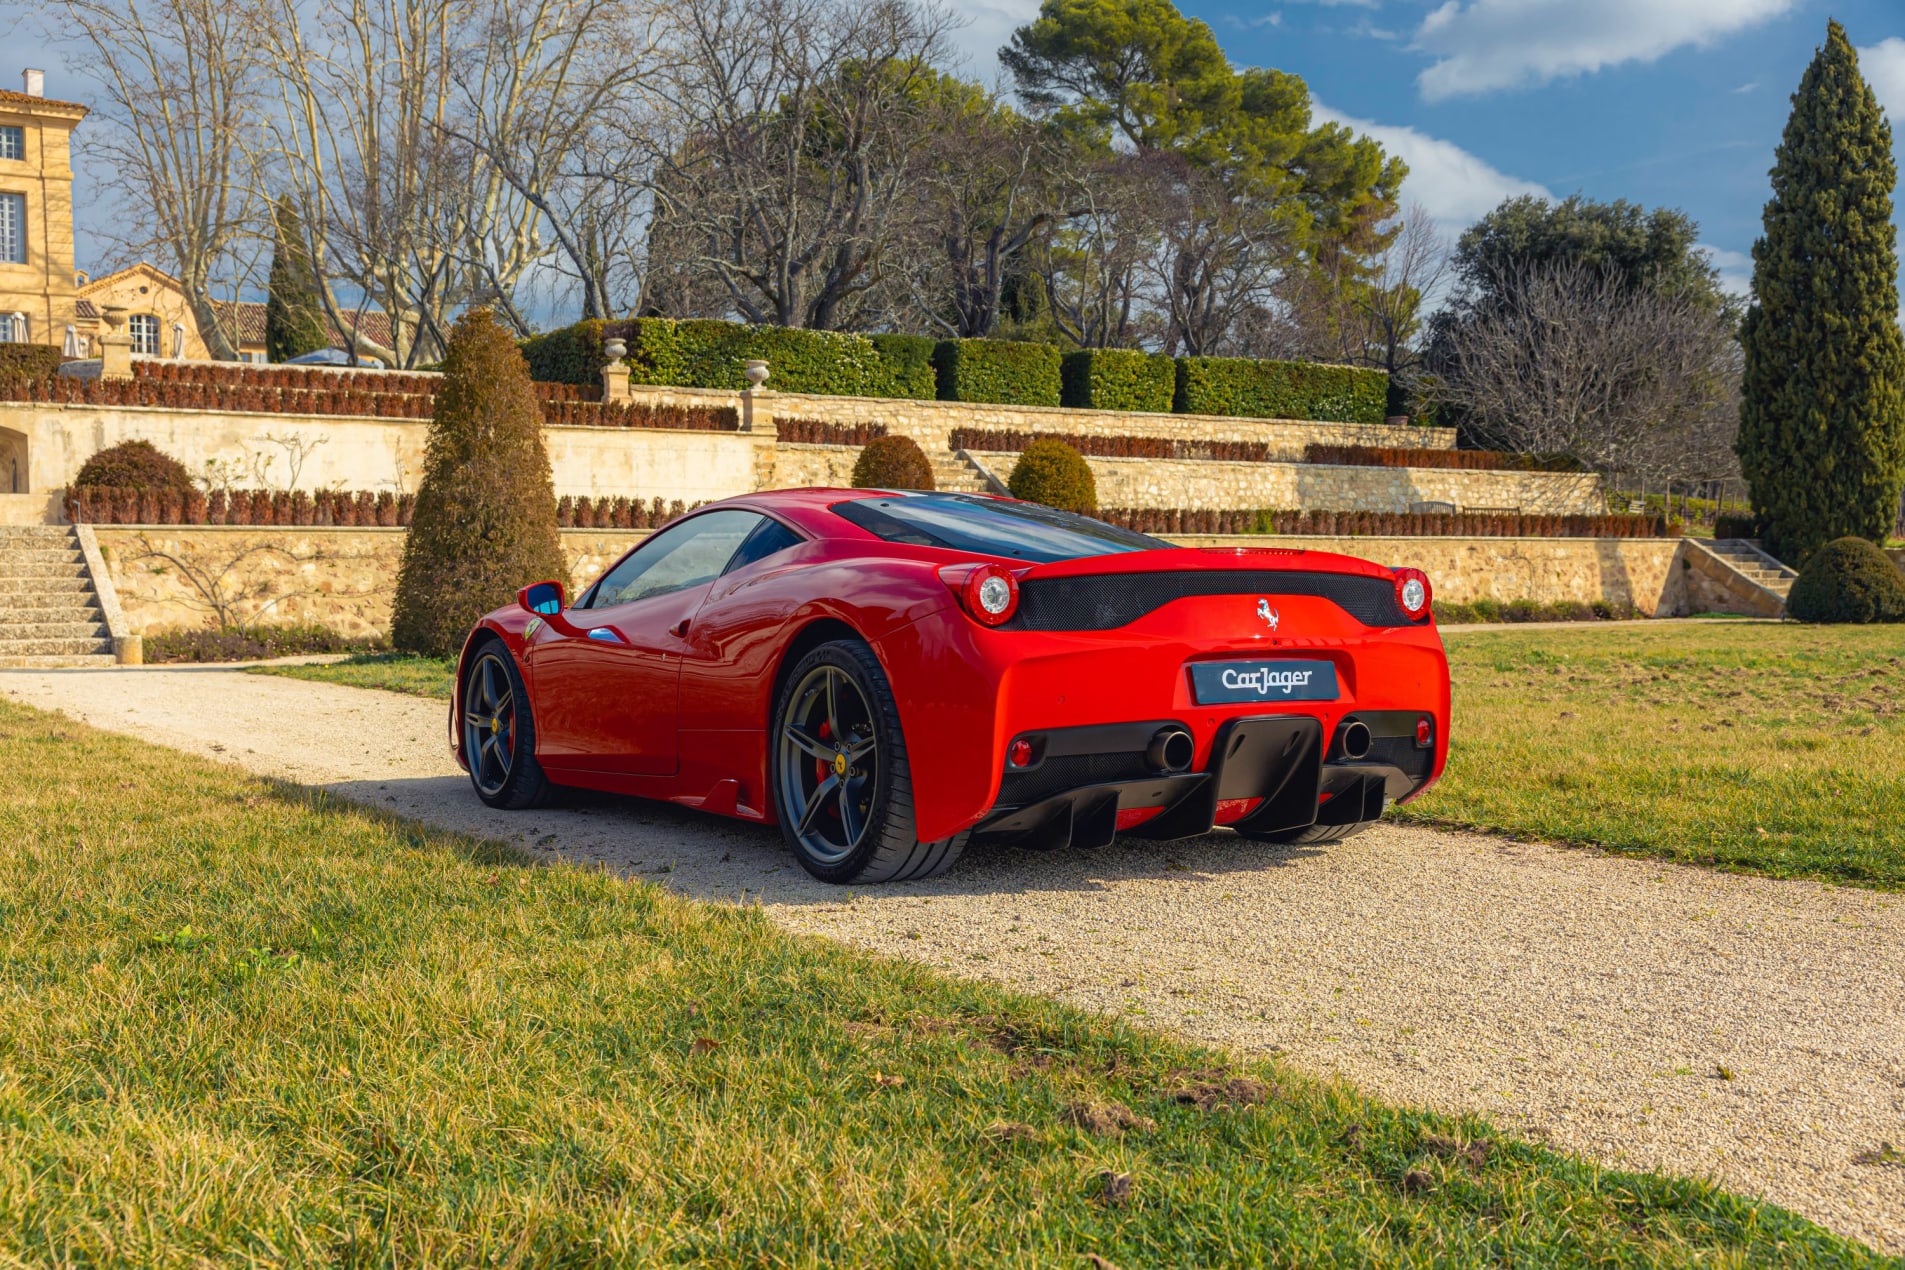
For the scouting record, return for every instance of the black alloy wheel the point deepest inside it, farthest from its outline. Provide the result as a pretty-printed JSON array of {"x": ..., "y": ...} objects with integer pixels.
[
  {"x": 499, "y": 733},
  {"x": 843, "y": 789}
]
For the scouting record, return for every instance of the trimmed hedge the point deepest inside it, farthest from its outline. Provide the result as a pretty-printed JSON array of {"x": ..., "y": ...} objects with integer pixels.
[
  {"x": 119, "y": 506},
  {"x": 893, "y": 463},
  {"x": 703, "y": 353},
  {"x": 1052, "y": 473},
  {"x": 1488, "y": 611},
  {"x": 1459, "y": 460},
  {"x": 1117, "y": 379},
  {"x": 1180, "y": 520},
  {"x": 998, "y": 372},
  {"x": 1848, "y": 580},
  {"x": 1008, "y": 440},
  {"x": 909, "y": 365},
  {"x": 1247, "y": 388},
  {"x": 607, "y": 512},
  {"x": 135, "y": 465},
  {"x": 30, "y": 361},
  {"x": 573, "y": 354},
  {"x": 820, "y": 432}
]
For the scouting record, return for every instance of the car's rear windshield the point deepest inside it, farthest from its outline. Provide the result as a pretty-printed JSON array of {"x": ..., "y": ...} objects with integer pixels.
[{"x": 990, "y": 526}]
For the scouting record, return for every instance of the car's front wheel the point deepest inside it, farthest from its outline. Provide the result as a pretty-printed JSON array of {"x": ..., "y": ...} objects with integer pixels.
[
  {"x": 499, "y": 732},
  {"x": 843, "y": 789}
]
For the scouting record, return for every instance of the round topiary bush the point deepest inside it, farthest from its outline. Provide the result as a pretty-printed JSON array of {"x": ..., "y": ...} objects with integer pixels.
[
  {"x": 893, "y": 463},
  {"x": 1848, "y": 580},
  {"x": 485, "y": 518},
  {"x": 1052, "y": 473},
  {"x": 136, "y": 465}
]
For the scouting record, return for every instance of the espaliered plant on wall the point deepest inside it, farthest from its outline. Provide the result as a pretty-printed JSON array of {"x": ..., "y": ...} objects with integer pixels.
[{"x": 485, "y": 523}]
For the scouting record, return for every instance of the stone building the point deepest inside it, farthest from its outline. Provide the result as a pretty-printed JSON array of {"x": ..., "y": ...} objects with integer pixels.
[{"x": 37, "y": 292}]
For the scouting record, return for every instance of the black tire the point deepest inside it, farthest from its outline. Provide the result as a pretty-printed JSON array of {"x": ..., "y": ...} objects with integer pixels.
[
  {"x": 843, "y": 789},
  {"x": 1309, "y": 833},
  {"x": 499, "y": 732}
]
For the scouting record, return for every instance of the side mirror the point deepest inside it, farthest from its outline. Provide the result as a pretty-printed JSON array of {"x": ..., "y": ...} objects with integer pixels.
[{"x": 545, "y": 599}]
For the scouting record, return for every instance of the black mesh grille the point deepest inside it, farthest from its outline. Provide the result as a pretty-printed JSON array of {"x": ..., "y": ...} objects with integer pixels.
[
  {"x": 1108, "y": 601},
  {"x": 1071, "y": 771}
]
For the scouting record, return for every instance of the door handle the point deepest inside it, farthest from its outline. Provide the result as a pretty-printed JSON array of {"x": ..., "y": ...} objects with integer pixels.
[{"x": 679, "y": 629}]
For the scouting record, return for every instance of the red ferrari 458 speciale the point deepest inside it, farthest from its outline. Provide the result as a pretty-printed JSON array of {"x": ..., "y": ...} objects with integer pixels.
[{"x": 886, "y": 674}]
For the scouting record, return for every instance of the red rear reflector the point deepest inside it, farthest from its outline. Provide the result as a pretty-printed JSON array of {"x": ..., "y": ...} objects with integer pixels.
[
  {"x": 1231, "y": 810},
  {"x": 1020, "y": 754},
  {"x": 1132, "y": 817},
  {"x": 1425, "y": 731}
]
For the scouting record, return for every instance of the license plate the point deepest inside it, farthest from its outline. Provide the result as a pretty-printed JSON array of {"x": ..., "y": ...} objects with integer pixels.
[{"x": 1228, "y": 682}]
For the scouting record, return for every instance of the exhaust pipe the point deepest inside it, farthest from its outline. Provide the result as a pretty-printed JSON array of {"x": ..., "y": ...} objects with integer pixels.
[
  {"x": 1171, "y": 750},
  {"x": 1352, "y": 740}
]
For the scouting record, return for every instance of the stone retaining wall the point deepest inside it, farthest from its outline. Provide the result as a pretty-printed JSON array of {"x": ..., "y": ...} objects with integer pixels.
[
  {"x": 172, "y": 578},
  {"x": 179, "y": 578}
]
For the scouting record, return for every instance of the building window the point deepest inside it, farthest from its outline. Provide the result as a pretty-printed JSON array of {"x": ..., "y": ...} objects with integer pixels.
[
  {"x": 13, "y": 328},
  {"x": 144, "y": 329},
  {"x": 13, "y": 229},
  {"x": 12, "y": 143}
]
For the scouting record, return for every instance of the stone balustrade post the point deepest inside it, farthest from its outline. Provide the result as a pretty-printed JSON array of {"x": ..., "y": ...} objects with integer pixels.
[
  {"x": 615, "y": 371},
  {"x": 757, "y": 421},
  {"x": 115, "y": 346}
]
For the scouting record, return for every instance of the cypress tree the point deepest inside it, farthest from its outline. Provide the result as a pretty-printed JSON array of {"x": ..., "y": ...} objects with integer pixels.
[
  {"x": 485, "y": 519},
  {"x": 294, "y": 320},
  {"x": 1822, "y": 415}
]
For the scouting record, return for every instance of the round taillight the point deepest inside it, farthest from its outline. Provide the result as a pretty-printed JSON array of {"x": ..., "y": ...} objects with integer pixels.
[
  {"x": 991, "y": 594},
  {"x": 1019, "y": 753},
  {"x": 1412, "y": 592}
]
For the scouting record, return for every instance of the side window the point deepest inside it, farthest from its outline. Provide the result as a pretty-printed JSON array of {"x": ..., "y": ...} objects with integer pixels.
[
  {"x": 685, "y": 555},
  {"x": 768, "y": 537}
]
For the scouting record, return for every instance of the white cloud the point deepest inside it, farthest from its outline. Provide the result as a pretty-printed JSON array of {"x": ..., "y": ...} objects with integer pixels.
[
  {"x": 1745, "y": 88},
  {"x": 1483, "y": 45},
  {"x": 989, "y": 25},
  {"x": 1884, "y": 68},
  {"x": 1452, "y": 185},
  {"x": 1736, "y": 268}
]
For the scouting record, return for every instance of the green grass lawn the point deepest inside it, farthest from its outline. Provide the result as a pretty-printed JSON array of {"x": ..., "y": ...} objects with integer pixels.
[
  {"x": 241, "y": 1022},
  {"x": 1776, "y": 749},
  {"x": 394, "y": 672},
  {"x": 1773, "y": 748}
]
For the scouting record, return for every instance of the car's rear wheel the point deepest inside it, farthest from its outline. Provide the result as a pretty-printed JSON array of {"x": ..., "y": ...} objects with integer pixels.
[
  {"x": 843, "y": 789},
  {"x": 499, "y": 732},
  {"x": 1310, "y": 833}
]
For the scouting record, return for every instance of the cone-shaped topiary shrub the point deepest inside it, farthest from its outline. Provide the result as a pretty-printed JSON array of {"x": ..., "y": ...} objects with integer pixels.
[
  {"x": 136, "y": 465},
  {"x": 1053, "y": 473},
  {"x": 1848, "y": 580},
  {"x": 893, "y": 463},
  {"x": 485, "y": 518}
]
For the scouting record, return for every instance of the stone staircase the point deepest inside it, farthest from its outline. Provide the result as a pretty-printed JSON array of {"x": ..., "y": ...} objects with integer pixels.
[
  {"x": 1736, "y": 576},
  {"x": 50, "y": 612},
  {"x": 953, "y": 471}
]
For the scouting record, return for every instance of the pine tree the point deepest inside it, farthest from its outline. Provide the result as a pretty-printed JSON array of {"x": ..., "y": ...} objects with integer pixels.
[
  {"x": 1822, "y": 417},
  {"x": 294, "y": 321},
  {"x": 485, "y": 519}
]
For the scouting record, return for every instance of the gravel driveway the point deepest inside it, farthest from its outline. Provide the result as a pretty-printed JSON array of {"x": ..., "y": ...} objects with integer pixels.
[{"x": 1646, "y": 1015}]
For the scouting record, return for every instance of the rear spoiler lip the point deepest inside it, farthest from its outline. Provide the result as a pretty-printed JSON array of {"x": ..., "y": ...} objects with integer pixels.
[{"x": 1206, "y": 559}]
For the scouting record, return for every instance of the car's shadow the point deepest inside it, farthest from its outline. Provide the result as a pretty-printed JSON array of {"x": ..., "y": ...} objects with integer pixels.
[{"x": 712, "y": 857}]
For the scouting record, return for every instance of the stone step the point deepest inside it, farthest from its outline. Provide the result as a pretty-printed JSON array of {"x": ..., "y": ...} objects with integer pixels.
[
  {"x": 41, "y": 555},
  {"x": 13, "y": 533},
  {"x": 81, "y": 610},
  {"x": 68, "y": 647},
  {"x": 61, "y": 661},
  {"x": 31, "y": 569},
  {"x": 55, "y": 630},
  {"x": 35, "y": 588}
]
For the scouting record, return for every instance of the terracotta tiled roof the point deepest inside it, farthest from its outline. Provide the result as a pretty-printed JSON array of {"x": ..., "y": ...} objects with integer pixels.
[
  {"x": 250, "y": 322},
  {"x": 10, "y": 98},
  {"x": 86, "y": 309}
]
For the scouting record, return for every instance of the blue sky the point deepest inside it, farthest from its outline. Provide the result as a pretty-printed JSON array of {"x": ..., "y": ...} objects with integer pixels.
[{"x": 1674, "y": 102}]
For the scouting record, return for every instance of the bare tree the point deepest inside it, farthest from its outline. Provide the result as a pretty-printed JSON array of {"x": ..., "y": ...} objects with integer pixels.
[
  {"x": 181, "y": 104},
  {"x": 798, "y": 119},
  {"x": 1096, "y": 266},
  {"x": 405, "y": 215},
  {"x": 1573, "y": 361},
  {"x": 1221, "y": 252}
]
